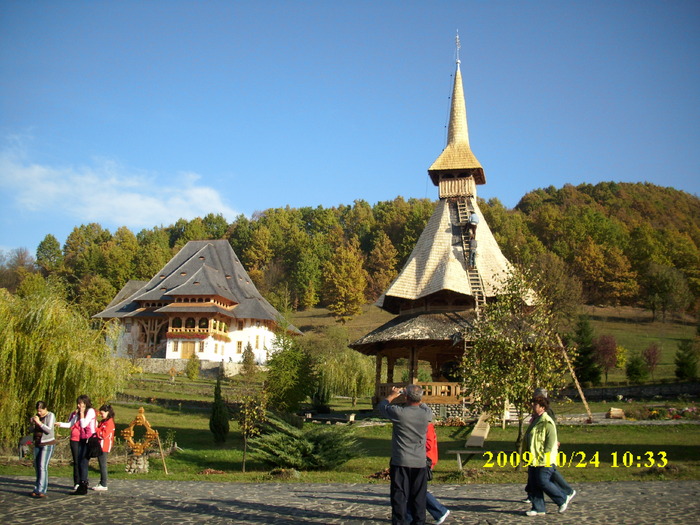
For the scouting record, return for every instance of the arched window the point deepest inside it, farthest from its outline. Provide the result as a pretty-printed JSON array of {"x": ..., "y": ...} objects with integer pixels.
[
  {"x": 177, "y": 322},
  {"x": 204, "y": 322},
  {"x": 190, "y": 323}
]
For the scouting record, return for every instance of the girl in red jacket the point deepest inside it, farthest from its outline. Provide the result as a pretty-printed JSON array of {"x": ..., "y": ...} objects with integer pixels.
[{"x": 105, "y": 431}]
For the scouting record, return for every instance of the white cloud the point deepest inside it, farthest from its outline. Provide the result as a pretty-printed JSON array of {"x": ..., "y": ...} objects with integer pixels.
[{"x": 106, "y": 192}]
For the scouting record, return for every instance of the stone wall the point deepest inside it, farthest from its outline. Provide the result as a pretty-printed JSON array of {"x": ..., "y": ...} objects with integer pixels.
[
  {"x": 207, "y": 368},
  {"x": 664, "y": 390}
]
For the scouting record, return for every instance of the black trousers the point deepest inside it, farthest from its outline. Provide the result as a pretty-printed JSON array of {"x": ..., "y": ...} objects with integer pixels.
[
  {"x": 74, "y": 446},
  {"x": 408, "y": 488}
]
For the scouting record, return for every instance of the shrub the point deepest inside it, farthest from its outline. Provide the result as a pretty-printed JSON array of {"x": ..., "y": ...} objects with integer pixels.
[
  {"x": 686, "y": 360},
  {"x": 636, "y": 369},
  {"x": 192, "y": 368},
  {"x": 320, "y": 448}
]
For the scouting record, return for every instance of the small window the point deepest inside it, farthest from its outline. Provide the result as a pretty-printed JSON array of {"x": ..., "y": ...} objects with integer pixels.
[
  {"x": 257, "y": 342},
  {"x": 241, "y": 324},
  {"x": 177, "y": 322},
  {"x": 239, "y": 347},
  {"x": 175, "y": 347},
  {"x": 190, "y": 323},
  {"x": 204, "y": 322}
]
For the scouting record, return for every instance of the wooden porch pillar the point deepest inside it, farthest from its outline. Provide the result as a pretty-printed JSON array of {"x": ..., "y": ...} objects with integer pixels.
[
  {"x": 413, "y": 366},
  {"x": 435, "y": 370},
  {"x": 390, "y": 362},
  {"x": 377, "y": 376}
]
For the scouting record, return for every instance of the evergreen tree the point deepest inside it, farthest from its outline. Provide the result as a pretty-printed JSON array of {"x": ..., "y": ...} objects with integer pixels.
[
  {"x": 48, "y": 254},
  {"x": 219, "y": 419},
  {"x": 686, "y": 360},
  {"x": 585, "y": 365},
  {"x": 636, "y": 370}
]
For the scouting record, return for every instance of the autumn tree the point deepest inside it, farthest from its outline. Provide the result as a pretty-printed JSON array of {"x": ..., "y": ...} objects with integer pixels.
[
  {"x": 652, "y": 356},
  {"x": 666, "y": 290},
  {"x": 14, "y": 267},
  {"x": 381, "y": 266},
  {"x": 606, "y": 353},
  {"x": 515, "y": 349},
  {"x": 345, "y": 281}
]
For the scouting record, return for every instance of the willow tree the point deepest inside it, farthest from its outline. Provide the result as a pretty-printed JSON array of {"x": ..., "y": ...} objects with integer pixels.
[
  {"x": 515, "y": 349},
  {"x": 49, "y": 352}
]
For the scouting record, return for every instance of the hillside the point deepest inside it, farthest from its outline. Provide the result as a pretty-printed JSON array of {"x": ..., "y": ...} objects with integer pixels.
[{"x": 632, "y": 244}]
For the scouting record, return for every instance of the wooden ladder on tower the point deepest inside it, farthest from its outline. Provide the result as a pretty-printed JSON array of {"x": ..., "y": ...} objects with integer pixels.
[{"x": 464, "y": 210}]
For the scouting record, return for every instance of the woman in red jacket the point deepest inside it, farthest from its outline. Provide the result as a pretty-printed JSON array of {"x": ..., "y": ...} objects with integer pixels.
[
  {"x": 105, "y": 431},
  {"x": 436, "y": 509}
]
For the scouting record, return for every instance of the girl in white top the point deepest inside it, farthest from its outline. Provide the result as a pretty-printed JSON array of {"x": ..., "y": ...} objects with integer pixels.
[{"x": 87, "y": 429}]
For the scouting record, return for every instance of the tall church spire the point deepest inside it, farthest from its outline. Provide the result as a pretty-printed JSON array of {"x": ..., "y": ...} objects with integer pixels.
[{"x": 457, "y": 160}]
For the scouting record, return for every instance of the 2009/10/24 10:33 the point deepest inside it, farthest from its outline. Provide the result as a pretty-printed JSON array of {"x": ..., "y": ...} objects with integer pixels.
[{"x": 578, "y": 459}]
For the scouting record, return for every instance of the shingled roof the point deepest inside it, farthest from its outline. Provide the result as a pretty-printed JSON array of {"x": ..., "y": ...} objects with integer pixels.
[
  {"x": 437, "y": 262},
  {"x": 200, "y": 268},
  {"x": 457, "y": 155}
]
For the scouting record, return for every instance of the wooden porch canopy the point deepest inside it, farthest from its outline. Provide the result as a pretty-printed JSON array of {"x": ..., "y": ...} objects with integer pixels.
[{"x": 435, "y": 337}]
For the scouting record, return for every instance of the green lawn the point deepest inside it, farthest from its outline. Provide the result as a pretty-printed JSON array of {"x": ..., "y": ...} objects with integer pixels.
[{"x": 190, "y": 429}]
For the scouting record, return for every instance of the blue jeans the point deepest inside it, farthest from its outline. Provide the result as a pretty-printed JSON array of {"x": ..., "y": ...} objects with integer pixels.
[
  {"x": 540, "y": 482},
  {"x": 102, "y": 460},
  {"x": 42, "y": 455},
  {"x": 436, "y": 509},
  {"x": 557, "y": 479}
]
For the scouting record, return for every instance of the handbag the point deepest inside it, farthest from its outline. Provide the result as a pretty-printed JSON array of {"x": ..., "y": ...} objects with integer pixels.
[
  {"x": 429, "y": 468},
  {"x": 94, "y": 446}
]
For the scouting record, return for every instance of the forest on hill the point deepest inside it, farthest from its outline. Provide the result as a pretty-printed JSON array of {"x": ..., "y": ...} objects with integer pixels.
[{"x": 611, "y": 243}]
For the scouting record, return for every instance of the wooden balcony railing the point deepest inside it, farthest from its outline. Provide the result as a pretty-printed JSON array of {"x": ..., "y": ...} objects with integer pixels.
[{"x": 433, "y": 393}]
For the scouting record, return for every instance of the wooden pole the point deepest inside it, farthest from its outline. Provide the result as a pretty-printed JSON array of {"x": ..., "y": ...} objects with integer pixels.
[
  {"x": 162, "y": 456},
  {"x": 573, "y": 374}
]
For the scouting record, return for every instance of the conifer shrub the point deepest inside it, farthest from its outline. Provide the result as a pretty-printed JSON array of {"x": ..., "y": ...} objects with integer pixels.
[
  {"x": 282, "y": 445},
  {"x": 686, "y": 360},
  {"x": 192, "y": 367},
  {"x": 636, "y": 369},
  {"x": 219, "y": 420}
]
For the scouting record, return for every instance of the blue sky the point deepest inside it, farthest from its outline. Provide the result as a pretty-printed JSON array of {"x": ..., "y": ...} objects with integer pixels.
[{"x": 139, "y": 113}]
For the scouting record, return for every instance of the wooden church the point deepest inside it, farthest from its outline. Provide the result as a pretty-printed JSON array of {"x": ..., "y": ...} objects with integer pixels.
[
  {"x": 202, "y": 302},
  {"x": 439, "y": 290}
]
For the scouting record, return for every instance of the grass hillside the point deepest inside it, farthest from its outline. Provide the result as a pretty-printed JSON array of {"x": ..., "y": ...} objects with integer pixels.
[{"x": 633, "y": 329}]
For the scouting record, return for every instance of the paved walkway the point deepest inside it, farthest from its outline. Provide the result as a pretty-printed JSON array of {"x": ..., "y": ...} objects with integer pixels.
[{"x": 185, "y": 502}]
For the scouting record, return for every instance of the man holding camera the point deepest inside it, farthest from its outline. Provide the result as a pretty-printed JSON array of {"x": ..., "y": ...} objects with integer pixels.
[{"x": 407, "y": 468}]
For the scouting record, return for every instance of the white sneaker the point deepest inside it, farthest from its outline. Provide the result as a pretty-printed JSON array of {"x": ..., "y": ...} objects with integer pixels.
[
  {"x": 563, "y": 507},
  {"x": 527, "y": 500},
  {"x": 442, "y": 518},
  {"x": 99, "y": 487},
  {"x": 75, "y": 487},
  {"x": 534, "y": 513}
]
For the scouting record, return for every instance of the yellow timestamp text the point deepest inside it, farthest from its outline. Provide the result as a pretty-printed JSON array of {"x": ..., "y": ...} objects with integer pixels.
[{"x": 578, "y": 459}]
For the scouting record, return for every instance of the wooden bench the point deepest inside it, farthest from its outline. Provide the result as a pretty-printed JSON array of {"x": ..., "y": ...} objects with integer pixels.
[{"x": 475, "y": 440}]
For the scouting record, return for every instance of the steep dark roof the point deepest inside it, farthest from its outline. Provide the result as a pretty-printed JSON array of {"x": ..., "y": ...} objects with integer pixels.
[
  {"x": 217, "y": 270},
  {"x": 444, "y": 328}
]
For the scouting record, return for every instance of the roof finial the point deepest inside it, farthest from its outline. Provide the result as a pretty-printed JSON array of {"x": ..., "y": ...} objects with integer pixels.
[{"x": 458, "y": 46}]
